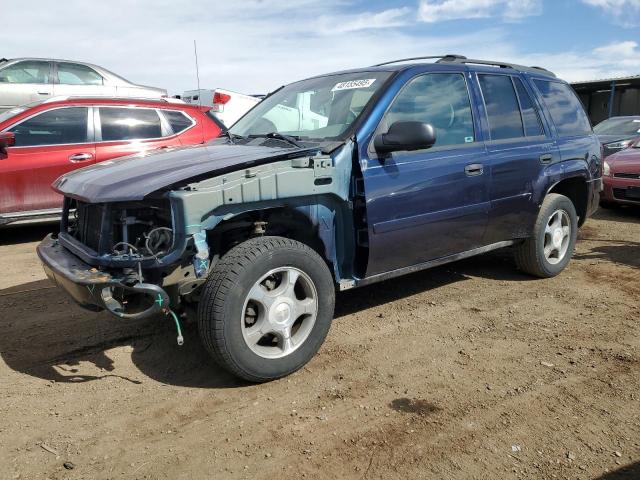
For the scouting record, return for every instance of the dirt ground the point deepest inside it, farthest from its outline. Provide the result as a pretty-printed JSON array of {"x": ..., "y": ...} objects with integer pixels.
[{"x": 468, "y": 371}]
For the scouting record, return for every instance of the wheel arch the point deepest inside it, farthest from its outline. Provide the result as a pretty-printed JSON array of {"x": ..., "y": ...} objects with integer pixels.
[
  {"x": 576, "y": 189},
  {"x": 321, "y": 221}
]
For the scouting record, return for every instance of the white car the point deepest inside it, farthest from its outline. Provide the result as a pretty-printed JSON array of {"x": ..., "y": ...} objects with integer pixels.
[
  {"x": 227, "y": 106},
  {"x": 27, "y": 80}
]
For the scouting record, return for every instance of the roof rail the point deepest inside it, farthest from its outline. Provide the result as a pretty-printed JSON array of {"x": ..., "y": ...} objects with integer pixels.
[
  {"x": 453, "y": 58},
  {"x": 59, "y": 98},
  {"x": 458, "y": 59},
  {"x": 432, "y": 57}
]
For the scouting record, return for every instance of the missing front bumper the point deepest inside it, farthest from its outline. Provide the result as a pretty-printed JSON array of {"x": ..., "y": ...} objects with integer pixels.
[{"x": 96, "y": 290}]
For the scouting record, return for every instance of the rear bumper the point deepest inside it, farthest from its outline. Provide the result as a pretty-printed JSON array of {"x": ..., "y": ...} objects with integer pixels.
[
  {"x": 92, "y": 288},
  {"x": 615, "y": 188}
]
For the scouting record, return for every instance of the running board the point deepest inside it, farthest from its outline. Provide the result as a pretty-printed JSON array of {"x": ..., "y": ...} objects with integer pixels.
[{"x": 432, "y": 263}]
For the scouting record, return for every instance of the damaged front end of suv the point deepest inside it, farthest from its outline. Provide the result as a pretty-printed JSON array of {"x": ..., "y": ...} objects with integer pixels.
[
  {"x": 137, "y": 253},
  {"x": 249, "y": 234}
]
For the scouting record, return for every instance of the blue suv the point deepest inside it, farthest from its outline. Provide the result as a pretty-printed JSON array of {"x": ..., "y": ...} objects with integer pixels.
[{"x": 333, "y": 182}]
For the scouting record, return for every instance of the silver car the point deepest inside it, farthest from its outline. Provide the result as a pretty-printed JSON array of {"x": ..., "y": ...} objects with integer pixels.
[{"x": 25, "y": 80}]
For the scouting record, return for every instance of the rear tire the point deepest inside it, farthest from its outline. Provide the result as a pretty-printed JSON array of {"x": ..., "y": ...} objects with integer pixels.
[
  {"x": 548, "y": 251},
  {"x": 266, "y": 308}
]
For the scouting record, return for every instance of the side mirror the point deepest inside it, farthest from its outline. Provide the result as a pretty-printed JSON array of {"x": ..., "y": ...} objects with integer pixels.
[
  {"x": 7, "y": 139},
  {"x": 405, "y": 136}
]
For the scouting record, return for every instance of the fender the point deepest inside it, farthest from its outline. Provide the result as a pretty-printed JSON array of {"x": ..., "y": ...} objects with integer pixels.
[{"x": 316, "y": 186}]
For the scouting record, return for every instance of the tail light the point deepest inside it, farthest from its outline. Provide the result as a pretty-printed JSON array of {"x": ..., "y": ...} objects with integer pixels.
[{"x": 219, "y": 101}]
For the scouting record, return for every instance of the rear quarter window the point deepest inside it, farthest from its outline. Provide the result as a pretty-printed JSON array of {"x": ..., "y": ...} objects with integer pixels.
[
  {"x": 565, "y": 109},
  {"x": 178, "y": 120}
]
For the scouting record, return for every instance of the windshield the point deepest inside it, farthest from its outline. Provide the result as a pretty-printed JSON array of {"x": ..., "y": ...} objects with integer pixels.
[
  {"x": 320, "y": 108},
  {"x": 618, "y": 126}
]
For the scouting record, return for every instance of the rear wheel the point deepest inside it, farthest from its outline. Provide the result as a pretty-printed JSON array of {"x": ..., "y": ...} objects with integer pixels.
[
  {"x": 548, "y": 251},
  {"x": 266, "y": 308}
]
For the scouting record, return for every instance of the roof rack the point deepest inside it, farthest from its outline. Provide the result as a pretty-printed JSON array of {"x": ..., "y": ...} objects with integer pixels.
[
  {"x": 432, "y": 57},
  {"x": 59, "y": 98},
  {"x": 515, "y": 66},
  {"x": 453, "y": 58}
]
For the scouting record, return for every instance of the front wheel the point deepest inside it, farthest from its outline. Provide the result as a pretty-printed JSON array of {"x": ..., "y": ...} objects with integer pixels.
[
  {"x": 266, "y": 308},
  {"x": 548, "y": 251}
]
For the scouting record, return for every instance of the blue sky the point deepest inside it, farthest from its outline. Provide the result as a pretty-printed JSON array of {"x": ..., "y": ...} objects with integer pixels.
[{"x": 254, "y": 46}]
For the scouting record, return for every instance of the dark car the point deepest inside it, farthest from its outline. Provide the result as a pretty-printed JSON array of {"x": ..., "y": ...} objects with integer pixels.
[
  {"x": 622, "y": 178},
  {"x": 403, "y": 166},
  {"x": 48, "y": 138},
  {"x": 618, "y": 133}
]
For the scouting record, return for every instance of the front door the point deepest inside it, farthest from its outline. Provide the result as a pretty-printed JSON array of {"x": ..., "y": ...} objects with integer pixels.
[
  {"x": 25, "y": 82},
  {"x": 48, "y": 145},
  {"x": 427, "y": 204}
]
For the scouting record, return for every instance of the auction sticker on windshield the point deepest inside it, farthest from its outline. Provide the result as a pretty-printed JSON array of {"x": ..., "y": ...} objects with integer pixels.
[{"x": 353, "y": 84}]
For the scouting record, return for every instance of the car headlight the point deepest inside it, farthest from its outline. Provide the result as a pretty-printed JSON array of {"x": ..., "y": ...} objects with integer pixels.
[
  {"x": 619, "y": 145},
  {"x": 606, "y": 169}
]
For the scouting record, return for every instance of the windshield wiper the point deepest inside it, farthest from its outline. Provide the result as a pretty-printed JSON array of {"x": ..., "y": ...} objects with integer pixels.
[
  {"x": 292, "y": 139},
  {"x": 231, "y": 136}
]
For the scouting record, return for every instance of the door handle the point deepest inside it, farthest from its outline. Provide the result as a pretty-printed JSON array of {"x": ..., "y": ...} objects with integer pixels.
[
  {"x": 474, "y": 169},
  {"x": 44, "y": 93},
  {"x": 80, "y": 157},
  {"x": 546, "y": 158}
]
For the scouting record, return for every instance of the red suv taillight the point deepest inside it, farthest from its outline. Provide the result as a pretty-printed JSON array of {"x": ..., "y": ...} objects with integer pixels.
[{"x": 219, "y": 100}]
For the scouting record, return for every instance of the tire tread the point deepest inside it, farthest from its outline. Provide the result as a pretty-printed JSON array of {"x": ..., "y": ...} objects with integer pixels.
[{"x": 221, "y": 281}]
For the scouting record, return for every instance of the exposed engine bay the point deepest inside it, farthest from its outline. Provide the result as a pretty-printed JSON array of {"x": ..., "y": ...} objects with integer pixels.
[{"x": 131, "y": 230}]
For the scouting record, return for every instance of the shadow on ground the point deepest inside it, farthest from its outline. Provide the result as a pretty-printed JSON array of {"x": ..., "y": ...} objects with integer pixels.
[
  {"x": 626, "y": 253},
  {"x": 628, "y": 472},
  {"x": 47, "y": 336},
  {"x": 16, "y": 234},
  {"x": 620, "y": 213}
]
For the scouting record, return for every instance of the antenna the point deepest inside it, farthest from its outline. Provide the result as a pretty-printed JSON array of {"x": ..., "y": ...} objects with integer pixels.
[{"x": 195, "y": 52}]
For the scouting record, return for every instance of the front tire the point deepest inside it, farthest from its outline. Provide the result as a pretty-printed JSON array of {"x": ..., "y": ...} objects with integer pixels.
[
  {"x": 548, "y": 251},
  {"x": 266, "y": 308}
]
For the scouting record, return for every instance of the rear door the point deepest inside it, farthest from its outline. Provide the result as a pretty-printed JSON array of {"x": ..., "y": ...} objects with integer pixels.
[
  {"x": 48, "y": 145},
  {"x": 427, "y": 204},
  {"x": 79, "y": 80},
  {"x": 576, "y": 140},
  {"x": 519, "y": 146},
  {"x": 124, "y": 131},
  {"x": 24, "y": 82}
]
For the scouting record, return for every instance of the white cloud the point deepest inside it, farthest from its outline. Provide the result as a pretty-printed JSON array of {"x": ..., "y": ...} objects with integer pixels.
[
  {"x": 263, "y": 44},
  {"x": 253, "y": 47},
  {"x": 391, "y": 18},
  {"x": 432, "y": 11},
  {"x": 622, "y": 12},
  {"x": 608, "y": 61}
]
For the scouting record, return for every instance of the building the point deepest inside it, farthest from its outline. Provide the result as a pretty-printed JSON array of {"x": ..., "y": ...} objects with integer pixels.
[{"x": 609, "y": 97}]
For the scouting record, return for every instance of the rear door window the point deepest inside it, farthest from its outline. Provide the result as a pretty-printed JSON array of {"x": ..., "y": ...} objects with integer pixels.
[
  {"x": 76, "y": 74},
  {"x": 61, "y": 126},
  {"x": 178, "y": 121},
  {"x": 440, "y": 99},
  {"x": 29, "y": 71},
  {"x": 503, "y": 111},
  {"x": 129, "y": 123},
  {"x": 530, "y": 117},
  {"x": 565, "y": 108}
]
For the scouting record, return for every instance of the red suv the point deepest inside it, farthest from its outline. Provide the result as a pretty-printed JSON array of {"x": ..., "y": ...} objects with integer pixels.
[{"x": 40, "y": 142}]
